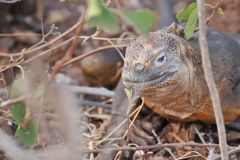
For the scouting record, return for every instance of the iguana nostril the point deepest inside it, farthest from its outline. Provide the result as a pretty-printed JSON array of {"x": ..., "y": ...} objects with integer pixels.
[{"x": 139, "y": 66}]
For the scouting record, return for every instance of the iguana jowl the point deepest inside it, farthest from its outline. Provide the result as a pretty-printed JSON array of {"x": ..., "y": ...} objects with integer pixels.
[{"x": 167, "y": 71}]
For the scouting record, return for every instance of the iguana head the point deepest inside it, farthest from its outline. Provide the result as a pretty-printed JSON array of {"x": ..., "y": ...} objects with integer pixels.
[{"x": 158, "y": 62}]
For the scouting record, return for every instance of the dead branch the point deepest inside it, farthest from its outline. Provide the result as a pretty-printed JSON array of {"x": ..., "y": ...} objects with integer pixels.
[
  {"x": 7, "y": 104},
  {"x": 159, "y": 142},
  {"x": 90, "y": 91},
  {"x": 210, "y": 81},
  {"x": 93, "y": 52},
  {"x": 93, "y": 103},
  {"x": 213, "y": 13},
  {"x": 169, "y": 145},
  {"x": 230, "y": 153},
  {"x": 77, "y": 90},
  {"x": 71, "y": 49},
  {"x": 200, "y": 135},
  {"x": 8, "y": 55}
]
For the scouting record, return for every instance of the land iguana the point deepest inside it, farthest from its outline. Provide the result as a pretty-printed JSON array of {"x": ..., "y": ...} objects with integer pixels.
[{"x": 166, "y": 70}]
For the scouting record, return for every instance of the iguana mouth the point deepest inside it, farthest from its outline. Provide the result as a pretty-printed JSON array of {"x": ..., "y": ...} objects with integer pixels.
[{"x": 156, "y": 81}]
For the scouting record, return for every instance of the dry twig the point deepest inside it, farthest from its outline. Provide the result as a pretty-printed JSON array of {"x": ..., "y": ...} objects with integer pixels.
[
  {"x": 169, "y": 145},
  {"x": 213, "y": 13},
  {"x": 8, "y": 55},
  {"x": 230, "y": 153},
  {"x": 93, "y": 52},
  {"x": 210, "y": 81},
  {"x": 7, "y": 104},
  {"x": 71, "y": 49}
]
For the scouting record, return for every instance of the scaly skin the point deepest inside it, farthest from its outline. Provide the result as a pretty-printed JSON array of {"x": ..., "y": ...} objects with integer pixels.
[{"x": 167, "y": 71}]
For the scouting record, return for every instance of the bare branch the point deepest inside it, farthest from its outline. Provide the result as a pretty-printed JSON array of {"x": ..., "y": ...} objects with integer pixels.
[
  {"x": 86, "y": 90},
  {"x": 7, "y": 104},
  {"x": 68, "y": 55},
  {"x": 230, "y": 153},
  {"x": 75, "y": 89},
  {"x": 210, "y": 81},
  {"x": 93, "y": 103},
  {"x": 42, "y": 46},
  {"x": 169, "y": 145},
  {"x": 9, "y": 1},
  {"x": 213, "y": 13},
  {"x": 93, "y": 52}
]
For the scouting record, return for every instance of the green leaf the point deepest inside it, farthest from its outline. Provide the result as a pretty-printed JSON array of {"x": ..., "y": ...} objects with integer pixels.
[
  {"x": 185, "y": 13},
  {"x": 191, "y": 24},
  {"x": 26, "y": 136},
  {"x": 94, "y": 9},
  {"x": 142, "y": 21},
  {"x": 18, "y": 109},
  {"x": 220, "y": 11},
  {"x": 97, "y": 14}
]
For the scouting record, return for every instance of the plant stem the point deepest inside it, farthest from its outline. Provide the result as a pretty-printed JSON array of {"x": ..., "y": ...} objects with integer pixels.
[{"x": 210, "y": 81}]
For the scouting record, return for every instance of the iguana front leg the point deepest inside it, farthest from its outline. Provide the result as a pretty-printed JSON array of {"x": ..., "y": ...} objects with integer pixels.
[
  {"x": 140, "y": 133},
  {"x": 119, "y": 111}
]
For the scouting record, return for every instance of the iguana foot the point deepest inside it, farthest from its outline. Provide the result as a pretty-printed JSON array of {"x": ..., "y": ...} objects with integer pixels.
[{"x": 142, "y": 131}]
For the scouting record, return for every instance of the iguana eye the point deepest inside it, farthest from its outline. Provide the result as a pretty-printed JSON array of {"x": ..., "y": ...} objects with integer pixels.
[{"x": 161, "y": 58}]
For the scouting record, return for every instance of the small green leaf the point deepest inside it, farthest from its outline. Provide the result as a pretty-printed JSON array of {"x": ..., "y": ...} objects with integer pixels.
[
  {"x": 142, "y": 21},
  {"x": 18, "y": 109},
  {"x": 26, "y": 136},
  {"x": 185, "y": 13},
  {"x": 94, "y": 9},
  {"x": 128, "y": 93},
  {"x": 97, "y": 14},
  {"x": 220, "y": 11},
  {"x": 191, "y": 24}
]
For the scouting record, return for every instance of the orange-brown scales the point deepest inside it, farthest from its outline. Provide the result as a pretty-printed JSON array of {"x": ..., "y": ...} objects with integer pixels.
[{"x": 167, "y": 71}]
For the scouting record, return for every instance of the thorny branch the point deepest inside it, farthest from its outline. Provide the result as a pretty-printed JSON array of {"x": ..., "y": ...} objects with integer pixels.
[{"x": 210, "y": 81}]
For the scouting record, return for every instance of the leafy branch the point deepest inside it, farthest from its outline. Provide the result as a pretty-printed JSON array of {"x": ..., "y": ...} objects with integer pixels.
[
  {"x": 99, "y": 15},
  {"x": 191, "y": 15},
  {"x": 210, "y": 81}
]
